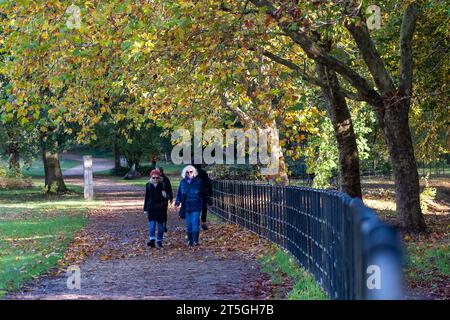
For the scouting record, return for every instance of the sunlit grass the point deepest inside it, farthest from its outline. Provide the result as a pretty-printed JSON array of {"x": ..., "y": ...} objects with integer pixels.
[
  {"x": 421, "y": 258},
  {"x": 140, "y": 182},
  {"x": 37, "y": 167},
  {"x": 30, "y": 247},
  {"x": 282, "y": 267},
  {"x": 35, "y": 230}
]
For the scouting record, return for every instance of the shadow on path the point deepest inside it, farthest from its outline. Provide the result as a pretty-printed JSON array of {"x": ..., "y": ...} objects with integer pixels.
[{"x": 115, "y": 262}]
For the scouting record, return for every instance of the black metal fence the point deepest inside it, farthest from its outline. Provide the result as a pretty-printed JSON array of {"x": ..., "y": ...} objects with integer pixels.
[{"x": 340, "y": 241}]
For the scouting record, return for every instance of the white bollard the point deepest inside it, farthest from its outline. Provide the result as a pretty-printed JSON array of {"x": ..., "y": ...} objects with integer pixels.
[{"x": 88, "y": 178}]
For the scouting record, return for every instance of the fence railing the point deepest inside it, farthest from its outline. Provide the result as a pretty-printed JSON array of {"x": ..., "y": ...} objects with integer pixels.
[{"x": 340, "y": 241}]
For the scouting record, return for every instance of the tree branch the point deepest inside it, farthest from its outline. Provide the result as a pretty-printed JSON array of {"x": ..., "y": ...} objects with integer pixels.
[
  {"x": 315, "y": 81},
  {"x": 315, "y": 52},
  {"x": 371, "y": 56},
  {"x": 236, "y": 110},
  {"x": 406, "y": 59},
  {"x": 291, "y": 65}
]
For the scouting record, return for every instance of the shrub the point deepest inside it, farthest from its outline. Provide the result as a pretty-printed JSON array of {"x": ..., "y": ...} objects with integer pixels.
[
  {"x": 233, "y": 172},
  {"x": 428, "y": 194},
  {"x": 3, "y": 172},
  {"x": 145, "y": 170},
  {"x": 15, "y": 183}
]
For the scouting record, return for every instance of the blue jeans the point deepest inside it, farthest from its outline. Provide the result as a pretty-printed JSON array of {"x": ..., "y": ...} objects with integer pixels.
[
  {"x": 152, "y": 227},
  {"x": 192, "y": 221}
]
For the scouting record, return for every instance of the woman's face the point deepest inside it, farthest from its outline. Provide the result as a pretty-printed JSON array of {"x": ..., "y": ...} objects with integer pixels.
[
  {"x": 189, "y": 173},
  {"x": 154, "y": 178}
]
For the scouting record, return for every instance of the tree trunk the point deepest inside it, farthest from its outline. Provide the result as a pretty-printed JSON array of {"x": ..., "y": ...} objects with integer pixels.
[
  {"x": 117, "y": 165},
  {"x": 14, "y": 157},
  {"x": 53, "y": 174},
  {"x": 340, "y": 117},
  {"x": 397, "y": 136},
  {"x": 281, "y": 176},
  {"x": 13, "y": 149},
  {"x": 132, "y": 173}
]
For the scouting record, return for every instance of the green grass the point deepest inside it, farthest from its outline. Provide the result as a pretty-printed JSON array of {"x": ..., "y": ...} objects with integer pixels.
[
  {"x": 35, "y": 230},
  {"x": 282, "y": 267},
  {"x": 424, "y": 262},
  {"x": 170, "y": 169},
  {"x": 212, "y": 217},
  {"x": 174, "y": 180},
  {"x": 96, "y": 153},
  {"x": 37, "y": 167},
  {"x": 104, "y": 173}
]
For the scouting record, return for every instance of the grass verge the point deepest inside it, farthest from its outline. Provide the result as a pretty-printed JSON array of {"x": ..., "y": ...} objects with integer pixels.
[
  {"x": 290, "y": 280},
  {"x": 35, "y": 231},
  {"x": 427, "y": 269}
]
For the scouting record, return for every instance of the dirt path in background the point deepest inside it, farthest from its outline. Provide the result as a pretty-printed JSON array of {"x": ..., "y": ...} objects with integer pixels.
[
  {"x": 98, "y": 164},
  {"x": 115, "y": 262}
]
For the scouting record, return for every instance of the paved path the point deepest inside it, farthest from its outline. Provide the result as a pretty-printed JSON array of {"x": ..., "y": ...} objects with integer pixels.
[
  {"x": 98, "y": 164},
  {"x": 117, "y": 263}
]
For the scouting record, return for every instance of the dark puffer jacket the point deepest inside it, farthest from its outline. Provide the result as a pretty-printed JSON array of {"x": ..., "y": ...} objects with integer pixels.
[
  {"x": 192, "y": 195},
  {"x": 155, "y": 203}
]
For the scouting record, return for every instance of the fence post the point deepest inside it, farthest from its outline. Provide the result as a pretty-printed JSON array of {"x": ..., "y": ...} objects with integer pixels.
[{"x": 384, "y": 256}]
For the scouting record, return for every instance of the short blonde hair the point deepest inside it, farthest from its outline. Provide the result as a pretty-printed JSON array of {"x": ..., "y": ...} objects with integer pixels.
[{"x": 189, "y": 167}]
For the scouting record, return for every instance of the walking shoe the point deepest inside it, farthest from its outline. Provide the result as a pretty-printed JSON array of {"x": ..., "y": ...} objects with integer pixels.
[
  {"x": 204, "y": 226},
  {"x": 151, "y": 243},
  {"x": 190, "y": 239},
  {"x": 159, "y": 244},
  {"x": 195, "y": 236},
  {"x": 165, "y": 228}
]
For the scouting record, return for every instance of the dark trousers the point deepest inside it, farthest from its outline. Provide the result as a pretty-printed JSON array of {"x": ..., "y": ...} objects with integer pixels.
[
  {"x": 165, "y": 210},
  {"x": 204, "y": 213}
]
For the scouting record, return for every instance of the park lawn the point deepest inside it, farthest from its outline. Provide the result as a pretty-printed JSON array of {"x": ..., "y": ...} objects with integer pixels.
[
  {"x": 426, "y": 255},
  {"x": 35, "y": 231},
  {"x": 140, "y": 182},
  {"x": 169, "y": 168},
  {"x": 427, "y": 263},
  {"x": 37, "y": 167},
  {"x": 96, "y": 153}
]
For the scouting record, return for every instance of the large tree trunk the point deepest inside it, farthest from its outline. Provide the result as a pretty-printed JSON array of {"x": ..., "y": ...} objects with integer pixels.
[
  {"x": 14, "y": 156},
  {"x": 397, "y": 136},
  {"x": 395, "y": 129},
  {"x": 340, "y": 117},
  {"x": 283, "y": 171},
  {"x": 13, "y": 149},
  {"x": 132, "y": 173},
  {"x": 281, "y": 175},
  {"x": 53, "y": 174},
  {"x": 117, "y": 165},
  {"x": 133, "y": 160},
  {"x": 277, "y": 165}
]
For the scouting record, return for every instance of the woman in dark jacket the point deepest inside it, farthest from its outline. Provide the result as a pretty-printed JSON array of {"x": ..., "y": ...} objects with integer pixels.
[
  {"x": 192, "y": 194},
  {"x": 154, "y": 206},
  {"x": 168, "y": 188}
]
